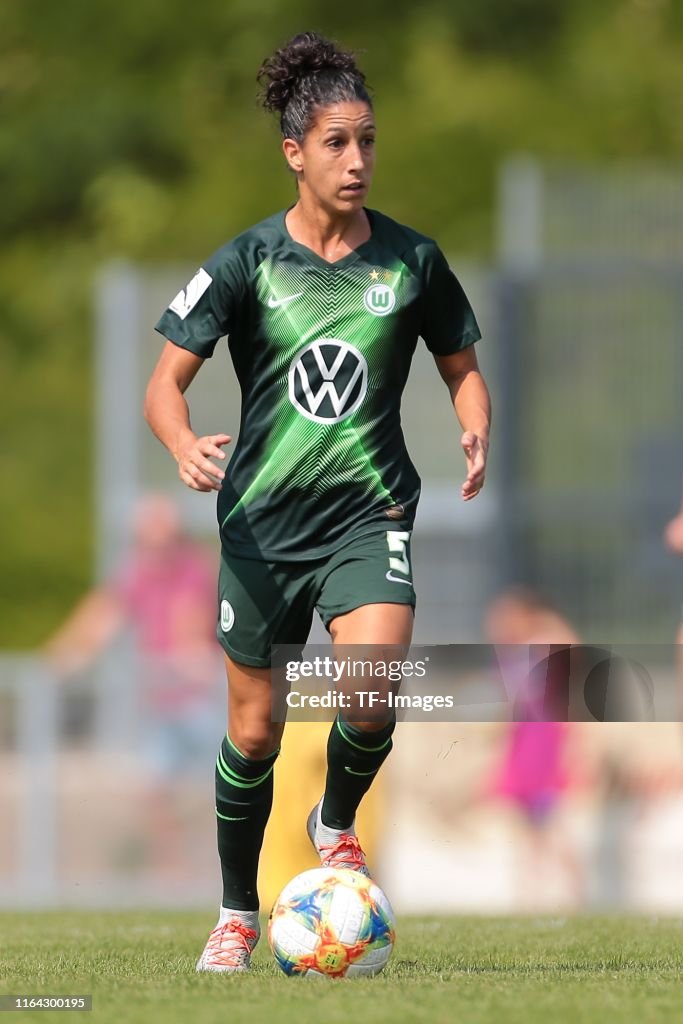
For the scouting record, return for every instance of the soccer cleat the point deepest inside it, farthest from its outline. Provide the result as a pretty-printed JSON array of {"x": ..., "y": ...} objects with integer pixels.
[
  {"x": 229, "y": 947},
  {"x": 341, "y": 850}
]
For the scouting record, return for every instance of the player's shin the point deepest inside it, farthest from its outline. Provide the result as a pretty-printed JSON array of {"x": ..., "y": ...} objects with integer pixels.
[
  {"x": 244, "y": 797},
  {"x": 354, "y": 756}
]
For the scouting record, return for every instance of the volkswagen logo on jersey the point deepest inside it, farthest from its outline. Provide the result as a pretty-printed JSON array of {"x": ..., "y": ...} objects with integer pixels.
[
  {"x": 328, "y": 380},
  {"x": 379, "y": 299}
]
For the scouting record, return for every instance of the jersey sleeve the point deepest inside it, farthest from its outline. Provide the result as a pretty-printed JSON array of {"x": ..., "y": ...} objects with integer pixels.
[
  {"x": 207, "y": 308},
  {"x": 448, "y": 321}
]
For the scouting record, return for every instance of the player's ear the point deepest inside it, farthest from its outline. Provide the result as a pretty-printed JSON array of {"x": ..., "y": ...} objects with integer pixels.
[{"x": 292, "y": 151}]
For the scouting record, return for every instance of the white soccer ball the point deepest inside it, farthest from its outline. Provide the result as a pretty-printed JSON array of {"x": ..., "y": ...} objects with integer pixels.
[{"x": 331, "y": 922}]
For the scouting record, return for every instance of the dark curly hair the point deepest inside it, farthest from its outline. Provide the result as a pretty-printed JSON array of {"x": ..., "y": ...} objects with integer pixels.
[{"x": 308, "y": 72}]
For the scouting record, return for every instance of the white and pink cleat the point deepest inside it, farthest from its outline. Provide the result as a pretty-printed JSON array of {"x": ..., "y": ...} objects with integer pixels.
[{"x": 336, "y": 848}]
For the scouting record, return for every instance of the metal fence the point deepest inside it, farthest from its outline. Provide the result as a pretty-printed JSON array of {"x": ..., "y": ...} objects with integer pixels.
[
  {"x": 590, "y": 300},
  {"x": 86, "y": 821},
  {"x": 81, "y": 807}
]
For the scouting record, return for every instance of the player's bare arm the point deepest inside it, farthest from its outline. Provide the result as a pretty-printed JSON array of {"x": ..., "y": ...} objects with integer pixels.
[
  {"x": 472, "y": 405},
  {"x": 168, "y": 415}
]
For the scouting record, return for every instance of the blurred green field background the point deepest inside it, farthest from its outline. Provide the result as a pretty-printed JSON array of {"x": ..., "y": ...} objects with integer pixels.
[
  {"x": 130, "y": 130},
  {"x": 596, "y": 970}
]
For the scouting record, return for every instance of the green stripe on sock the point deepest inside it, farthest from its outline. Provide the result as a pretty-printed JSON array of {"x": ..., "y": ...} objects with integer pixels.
[
  {"x": 352, "y": 772},
  {"x": 226, "y": 818},
  {"x": 239, "y": 752},
  {"x": 230, "y": 776},
  {"x": 358, "y": 746}
]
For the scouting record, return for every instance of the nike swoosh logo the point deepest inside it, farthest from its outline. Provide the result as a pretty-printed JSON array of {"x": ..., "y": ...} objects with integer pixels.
[
  {"x": 273, "y": 303},
  {"x": 397, "y": 579}
]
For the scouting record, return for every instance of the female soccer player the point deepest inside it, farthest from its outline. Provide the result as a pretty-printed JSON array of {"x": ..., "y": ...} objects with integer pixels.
[{"x": 322, "y": 304}]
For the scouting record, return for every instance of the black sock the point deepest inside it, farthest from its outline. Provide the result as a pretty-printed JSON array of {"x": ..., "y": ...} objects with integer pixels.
[
  {"x": 244, "y": 797},
  {"x": 354, "y": 757}
]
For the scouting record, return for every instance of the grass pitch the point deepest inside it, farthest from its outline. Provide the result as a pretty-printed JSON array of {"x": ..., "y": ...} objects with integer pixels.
[{"x": 140, "y": 968}]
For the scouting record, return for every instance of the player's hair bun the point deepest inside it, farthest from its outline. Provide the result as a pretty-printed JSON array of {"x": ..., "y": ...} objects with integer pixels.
[
  {"x": 306, "y": 74},
  {"x": 304, "y": 55}
]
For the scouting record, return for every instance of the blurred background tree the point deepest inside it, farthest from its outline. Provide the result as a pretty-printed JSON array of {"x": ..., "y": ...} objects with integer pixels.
[{"x": 130, "y": 130}]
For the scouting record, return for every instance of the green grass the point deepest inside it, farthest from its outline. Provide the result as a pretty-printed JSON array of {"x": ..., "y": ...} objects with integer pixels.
[{"x": 140, "y": 967}]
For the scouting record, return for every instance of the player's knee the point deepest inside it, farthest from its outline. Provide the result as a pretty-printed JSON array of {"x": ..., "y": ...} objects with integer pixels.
[
  {"x": 256, "y": 740},
  {"x": 380, "y": 725},
  {"x": 383, "y": 725}
]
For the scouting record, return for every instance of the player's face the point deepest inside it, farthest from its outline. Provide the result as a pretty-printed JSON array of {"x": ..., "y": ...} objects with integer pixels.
[{"x": 336, "y": 160}]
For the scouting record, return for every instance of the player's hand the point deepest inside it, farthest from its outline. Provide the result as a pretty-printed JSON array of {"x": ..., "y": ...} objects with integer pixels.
[
  {"x": 476, "y": 450},
  {"x": 673, "y": 534},
  {"x": 195, "y": 467}
]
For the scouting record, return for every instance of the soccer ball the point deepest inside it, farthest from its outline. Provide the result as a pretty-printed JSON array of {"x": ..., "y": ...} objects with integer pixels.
[{"x": 331, "y": 922}]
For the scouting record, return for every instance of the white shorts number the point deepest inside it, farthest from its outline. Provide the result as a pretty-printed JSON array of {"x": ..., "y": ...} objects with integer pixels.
[{"x": 397, "y": 541}]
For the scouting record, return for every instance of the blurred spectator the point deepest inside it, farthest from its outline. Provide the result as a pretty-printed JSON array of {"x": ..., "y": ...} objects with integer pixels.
[
  {"x": 533, "y": 773},
  {"x": 165, "y": 591}
]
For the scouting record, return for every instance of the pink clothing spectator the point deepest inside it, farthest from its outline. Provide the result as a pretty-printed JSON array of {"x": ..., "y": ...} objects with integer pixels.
[
  {"x": 171, "y": 604},
  {"x": 532, "y": 773},
  {"x": 171, "y": 601}
]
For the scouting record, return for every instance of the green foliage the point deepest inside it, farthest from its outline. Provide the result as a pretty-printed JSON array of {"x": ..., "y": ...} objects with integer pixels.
[
  {"x": 131, "y": 129},
  {"x": 519, "y": 29}
]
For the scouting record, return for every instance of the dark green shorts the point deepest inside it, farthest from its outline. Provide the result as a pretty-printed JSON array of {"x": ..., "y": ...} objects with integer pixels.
[{"x": 263, "y": 604}]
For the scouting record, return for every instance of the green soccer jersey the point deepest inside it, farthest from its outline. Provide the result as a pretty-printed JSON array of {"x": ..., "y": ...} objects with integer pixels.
[{"x": 322, "y": 353}]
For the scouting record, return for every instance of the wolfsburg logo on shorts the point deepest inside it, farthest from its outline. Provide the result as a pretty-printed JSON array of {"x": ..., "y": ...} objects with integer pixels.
[
  {"x": 227, "y": 616},
  {"x": 328, "y": 380}
]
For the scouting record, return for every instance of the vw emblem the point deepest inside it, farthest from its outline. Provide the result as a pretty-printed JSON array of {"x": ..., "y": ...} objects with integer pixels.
[{"x": 328, "y": 380}]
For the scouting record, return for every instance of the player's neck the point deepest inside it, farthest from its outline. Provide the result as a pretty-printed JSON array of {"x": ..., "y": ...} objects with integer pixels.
[{"x": 332, "y": 236}]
